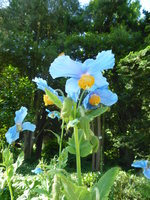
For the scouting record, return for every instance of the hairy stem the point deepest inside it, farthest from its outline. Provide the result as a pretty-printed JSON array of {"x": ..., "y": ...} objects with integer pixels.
[{"x": 78, "y": 159}]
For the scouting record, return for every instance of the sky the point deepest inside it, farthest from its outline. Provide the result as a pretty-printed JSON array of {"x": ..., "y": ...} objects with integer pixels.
[{"x": 145, "y": 4}]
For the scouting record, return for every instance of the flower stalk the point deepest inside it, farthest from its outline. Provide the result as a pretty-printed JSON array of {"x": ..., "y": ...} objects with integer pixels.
[
  {"x": 61, "y": 137},
  {"x": 78, "y": 159}
]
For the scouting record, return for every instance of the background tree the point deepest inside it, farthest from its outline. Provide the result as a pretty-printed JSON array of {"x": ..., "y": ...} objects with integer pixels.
[{"x": 33, "y": 33}]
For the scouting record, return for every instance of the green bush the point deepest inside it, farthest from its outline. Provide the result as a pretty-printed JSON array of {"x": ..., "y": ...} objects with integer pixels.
[{"x": 128, "y": 186}]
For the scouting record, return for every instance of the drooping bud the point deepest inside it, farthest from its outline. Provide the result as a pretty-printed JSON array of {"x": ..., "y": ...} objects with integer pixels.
[{"x": 67, "y": 107}]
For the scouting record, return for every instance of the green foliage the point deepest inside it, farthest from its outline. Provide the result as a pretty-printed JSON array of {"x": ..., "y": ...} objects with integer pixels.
[
  {"x": 103, "y": 186},
  {"x": 72, "y": 191},
  {"x": 8, "y": 169},
  {"x": 129, "y": 128},
  {"x": 15, "y": 92},
  {"x": 129, "y": 186},
  {"x": 90, "y": 178},
  {"x": 85, "y": 146},
  {"x": 66, "y": 108},
  {"x": 54, "y": 98},
  {"x": 97, "y": 112}
]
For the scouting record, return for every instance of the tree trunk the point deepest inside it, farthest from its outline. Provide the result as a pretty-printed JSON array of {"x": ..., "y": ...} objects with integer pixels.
[
  {"x": 41, "y": 121},
  {"x": 27, "y": 145}
]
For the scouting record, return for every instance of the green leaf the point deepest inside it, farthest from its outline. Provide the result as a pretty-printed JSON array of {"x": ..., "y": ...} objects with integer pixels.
[
  {"x": 7, "y": 157},
  {"x": 97, "y": 112},
  {"x": 41, "y": 191},
  {"x": 57, "y": 136},
  {"x": 103, "y": 187},
  {"x": 10, "y": 172},
  {"x": 63, "y": 158},
  {"x": 73, "y": 191},
  {"x": 85, "y": 145},
  {"x": 54, "y": 98},
  {"x": 85, "y": 126},
  {"x": 19, "y": 161}
]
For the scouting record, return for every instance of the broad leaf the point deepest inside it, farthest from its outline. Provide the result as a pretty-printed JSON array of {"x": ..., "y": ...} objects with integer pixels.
[
  {"x": 73, "y": 191},
  {"x": 102, "y": 188},
  {"x": 7, "y": 157},
  {"x": 85, "y": 145},
  {"x": 10, "y": 172},
  {"x": 97, "y": 112},
  {"x": 19, "y": 161},
  {"x": 63, "y": 158}
]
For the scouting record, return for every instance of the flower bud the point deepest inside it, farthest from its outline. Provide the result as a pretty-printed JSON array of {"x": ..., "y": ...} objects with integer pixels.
[{"x": 67, "y": 107}]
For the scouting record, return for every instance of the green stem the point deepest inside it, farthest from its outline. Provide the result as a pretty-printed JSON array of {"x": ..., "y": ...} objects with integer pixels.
[
  {"x": 78, "y": 159},
  {"x": 81, "y": 97},
  {"x": 10, "y": 190},
  {"x": 61, "y": 137}
]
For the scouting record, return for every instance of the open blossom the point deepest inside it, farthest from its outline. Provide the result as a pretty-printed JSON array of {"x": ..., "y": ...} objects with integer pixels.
[
  {"x": 100, "y": 96},
  {"x": 145, "y": 165},
  {"x": 42, "y": 85},
  {"x": 86, "y": 75},
  {"x": 13, "y": 132}
]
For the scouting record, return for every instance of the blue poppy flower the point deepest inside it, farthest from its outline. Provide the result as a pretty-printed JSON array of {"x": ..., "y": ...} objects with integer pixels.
[
  {"x": 42, "y": 85},
  {"x": 100, "y": 96},
  {"x": 13, "y": 132},
  {"x": 145, "y": 165},
  {"x": 53, "y": 114},
  {"x": 87, "y": 75},
  {"x": 37, "y": 171}
]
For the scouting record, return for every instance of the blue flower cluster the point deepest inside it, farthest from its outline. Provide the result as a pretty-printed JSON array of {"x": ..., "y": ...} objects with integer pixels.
[{"x": 86, "y": 76}]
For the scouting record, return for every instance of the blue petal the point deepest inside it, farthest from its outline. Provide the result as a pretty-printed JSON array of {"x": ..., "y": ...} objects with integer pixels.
[
  {"x": 100, "y": 81},
  {"x": 146, "y": 173},
  {"x": 87, "y": 64},
  {"x": 104, "y": 60},
  {"x": 140, "y": 164},
  {"x": 27, "y": 126},
  {"x": 107, "y": 97},
  {"x": 37, "y": 171},
  {"x": 12, "y": 134},
  {"x": 53, "y": 114},
  {"x": 64, "y": 66},
  {"x": 72, "y": 88},
  {"x": 42, "y": 84},
  {"x": 20, "y": 115},
  {"x": 107, "y": 59}
]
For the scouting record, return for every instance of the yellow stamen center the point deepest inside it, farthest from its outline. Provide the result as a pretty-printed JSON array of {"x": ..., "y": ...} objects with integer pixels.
[
  {"x": 86, "y": 81},
  {"x": 94, "y": 100},
  {"x": 47, "y": 101}
]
